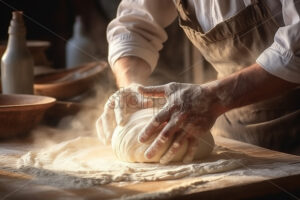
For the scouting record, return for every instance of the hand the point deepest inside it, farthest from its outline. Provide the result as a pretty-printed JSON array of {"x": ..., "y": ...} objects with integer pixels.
[
  {"x": 118, "y": 108},
  {"x": 190, "y": 107}
]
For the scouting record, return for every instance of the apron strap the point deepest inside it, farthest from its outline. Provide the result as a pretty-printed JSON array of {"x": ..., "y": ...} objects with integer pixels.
[{"x": 187, "y": 15}]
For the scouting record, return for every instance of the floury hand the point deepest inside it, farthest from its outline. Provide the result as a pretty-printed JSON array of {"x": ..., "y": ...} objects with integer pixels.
[{"x": 190, "y": 111}]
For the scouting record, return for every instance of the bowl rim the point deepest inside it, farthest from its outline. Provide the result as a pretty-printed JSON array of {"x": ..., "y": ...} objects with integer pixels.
[
  {"x": 99, "y": 65},
  {"x": 48, "y": 101}
]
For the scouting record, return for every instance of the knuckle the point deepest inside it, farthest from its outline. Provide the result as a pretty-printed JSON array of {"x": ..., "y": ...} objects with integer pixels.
[
  {"x": 161, "y": 140},
  {"x": 177, "y": 121},
  {"x": 169, "y": 130},
  {"x": 171, "y": 153},
  {"x": 145, "y": 136},
  {"x": 150, "y": 152},
  {"x": 155, "y": 122},
  {"x": 176, "y": 146},
  {"x": 142, "y": 137},
  {"x": 188, "y": 129},
  {"x": 166, "y": 134},
  {"x": 157, "y": 119},
  {"x": 148, "y": 130}
]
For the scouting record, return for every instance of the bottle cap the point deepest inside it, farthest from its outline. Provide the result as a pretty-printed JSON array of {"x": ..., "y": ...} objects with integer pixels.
[
  {"x": 17, "y": 16},
  {"x": 17, "y": 23}
]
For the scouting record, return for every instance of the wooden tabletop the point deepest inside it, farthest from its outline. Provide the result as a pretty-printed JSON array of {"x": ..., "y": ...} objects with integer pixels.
[{"x": 20, "y": 186}]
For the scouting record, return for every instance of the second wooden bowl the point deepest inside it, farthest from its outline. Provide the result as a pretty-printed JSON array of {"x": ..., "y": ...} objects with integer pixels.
[{"x": 66, "y": 84}]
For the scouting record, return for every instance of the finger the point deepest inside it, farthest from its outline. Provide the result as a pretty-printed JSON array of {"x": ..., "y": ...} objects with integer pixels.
[
  {"x": 147, "y": 103},
  {"x": 172, "y": 127},
  {"x": 191, "y": 151},
  {"x": 164, "y": 136},
  {"x": 108, "y": 121},
  {"x": 152, "y": 91},
  {"x": 120, "y": 110},
  {"x": 99, "y": 129},
  {"x": 150, "y": 129},
  {"x": 175, "y": 147}
]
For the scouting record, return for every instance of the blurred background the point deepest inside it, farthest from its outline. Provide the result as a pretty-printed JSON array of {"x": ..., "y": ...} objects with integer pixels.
[{"x": 53, "y": 21}]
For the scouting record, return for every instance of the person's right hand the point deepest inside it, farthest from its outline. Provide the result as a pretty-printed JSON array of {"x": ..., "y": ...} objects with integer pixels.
[
  {"x": 117, "y": 110},
  {"x": 190, "y": 111}
]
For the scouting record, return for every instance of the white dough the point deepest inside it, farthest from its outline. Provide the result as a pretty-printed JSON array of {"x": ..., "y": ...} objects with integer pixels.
[{"x": 127, "y": 148}]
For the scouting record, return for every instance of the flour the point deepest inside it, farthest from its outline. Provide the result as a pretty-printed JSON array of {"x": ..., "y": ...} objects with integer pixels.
[{"x": 85, "y": 162}]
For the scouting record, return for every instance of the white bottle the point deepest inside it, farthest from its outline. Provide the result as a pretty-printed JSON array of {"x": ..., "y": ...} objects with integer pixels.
[
  {"x": 17, "y": 62},
  {"x": 80, "y": 48}
]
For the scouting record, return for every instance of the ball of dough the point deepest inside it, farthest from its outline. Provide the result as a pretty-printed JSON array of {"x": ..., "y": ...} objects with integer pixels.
[{"x": 127, "y": 148}]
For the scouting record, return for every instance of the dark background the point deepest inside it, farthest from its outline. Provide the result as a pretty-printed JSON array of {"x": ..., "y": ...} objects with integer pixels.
[{"x": 52, "y": 20}]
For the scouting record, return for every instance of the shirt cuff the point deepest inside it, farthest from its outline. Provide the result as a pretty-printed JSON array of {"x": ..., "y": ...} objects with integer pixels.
[
  {"x": 280, "y": 62},
  {"x": 131, "y": 45}
]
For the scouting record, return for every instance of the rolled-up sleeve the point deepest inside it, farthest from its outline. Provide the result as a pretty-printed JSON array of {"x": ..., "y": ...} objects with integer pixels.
[
  {"x": 282, "y": 58},
  {"x": 138, "y": 29}
]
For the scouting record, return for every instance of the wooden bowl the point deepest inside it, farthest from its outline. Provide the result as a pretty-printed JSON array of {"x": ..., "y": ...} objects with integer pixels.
[
  {"x": 66, "y": 84},
  {"x": 20, "y": 113}
]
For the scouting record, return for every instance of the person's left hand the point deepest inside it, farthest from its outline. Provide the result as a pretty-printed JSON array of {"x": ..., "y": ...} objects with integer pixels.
[
  {"x": 118, "y": 109},
  {"x": 190, "y": 107}
]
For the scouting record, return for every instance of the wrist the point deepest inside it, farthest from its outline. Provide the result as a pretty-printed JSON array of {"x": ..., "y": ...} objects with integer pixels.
[
  {"x": 212, "y": 90},
  {"x": 131, "y": 70}
]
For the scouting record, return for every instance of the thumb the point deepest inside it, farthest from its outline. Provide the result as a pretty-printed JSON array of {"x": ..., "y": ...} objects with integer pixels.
[
  {"x": 120, "y": 111},
  {"x": 153, "y": 91}
]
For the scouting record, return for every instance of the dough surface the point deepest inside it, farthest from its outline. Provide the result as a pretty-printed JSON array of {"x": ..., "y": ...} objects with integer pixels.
[{"x": 127, "y": 148}]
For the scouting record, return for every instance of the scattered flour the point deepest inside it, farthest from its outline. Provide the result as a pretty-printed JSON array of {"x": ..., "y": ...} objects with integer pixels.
[{"x": 85, "y": 162}]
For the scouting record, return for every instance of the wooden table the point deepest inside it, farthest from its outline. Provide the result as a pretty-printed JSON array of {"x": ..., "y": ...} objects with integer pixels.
[{"x": 20, "y": 186}]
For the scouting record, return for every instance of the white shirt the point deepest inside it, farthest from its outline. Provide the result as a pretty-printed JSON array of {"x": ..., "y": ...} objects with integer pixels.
[{"x": 138, "y": 30}]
